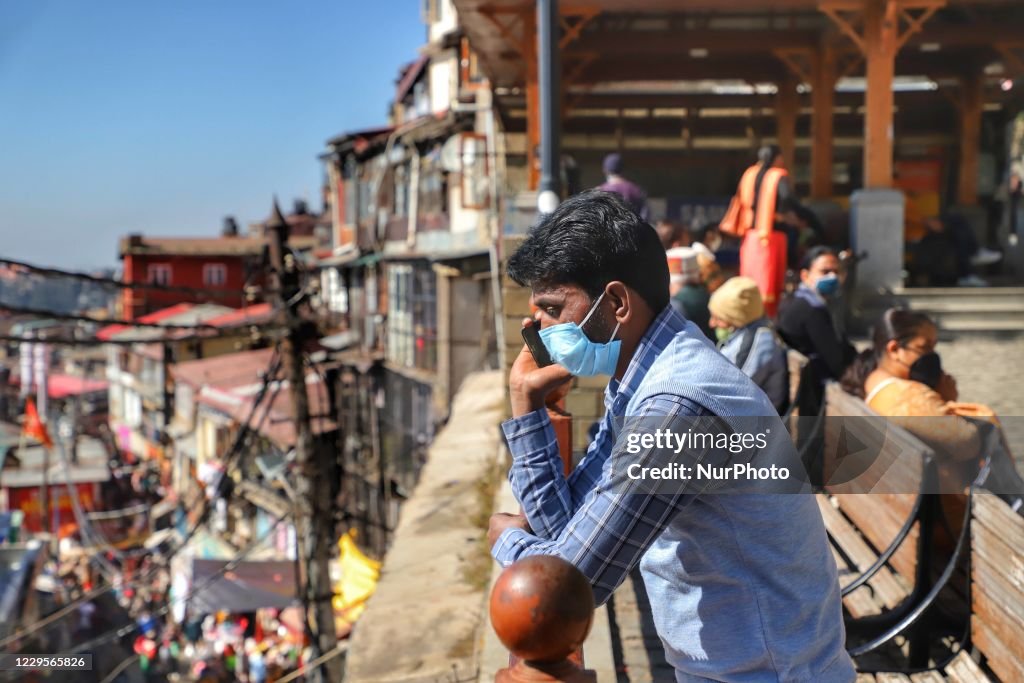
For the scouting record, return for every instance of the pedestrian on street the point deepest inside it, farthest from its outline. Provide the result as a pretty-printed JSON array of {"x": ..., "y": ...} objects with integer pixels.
[{"x": 742, "y": 586}]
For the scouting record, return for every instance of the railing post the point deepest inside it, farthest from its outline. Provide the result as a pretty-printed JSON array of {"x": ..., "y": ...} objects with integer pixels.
[
  {"x": 542, "y": 609},
  {"x": 562, "y": 422}
]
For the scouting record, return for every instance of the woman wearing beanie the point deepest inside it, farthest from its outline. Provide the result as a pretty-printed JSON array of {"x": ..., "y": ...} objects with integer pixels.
[{"x": 747, "y": 339}]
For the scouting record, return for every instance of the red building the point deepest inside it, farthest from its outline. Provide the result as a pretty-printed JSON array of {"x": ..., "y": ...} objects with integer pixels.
[{"x": 220, "y": 265}]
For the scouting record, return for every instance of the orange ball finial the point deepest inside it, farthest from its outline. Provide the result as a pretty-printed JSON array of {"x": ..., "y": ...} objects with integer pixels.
[{"x": 542, "y": 608}]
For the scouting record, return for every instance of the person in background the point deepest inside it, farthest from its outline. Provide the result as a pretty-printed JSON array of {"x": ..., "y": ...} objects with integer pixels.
[
  {"x": 901, "y": 377},
  {"x": 710, "y": 272},
  {"x": 949, "y": 252},
  {"x": 709, "y": 235},
  {"x": 632, "y": 193},
  {"x": 689, "y": 295},
  {"x": 670, "y": 234},
  {"x": 745, "y": 336},
  {"x": 761, "y": 214},
  {"x": 805, "y": 324}
]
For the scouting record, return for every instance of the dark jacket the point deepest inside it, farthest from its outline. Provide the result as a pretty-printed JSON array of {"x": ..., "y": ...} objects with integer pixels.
[
  {"x": 805, "y": 324},
  {"x": 809, "y": 329},
  {"x": 691, "y": 301}
]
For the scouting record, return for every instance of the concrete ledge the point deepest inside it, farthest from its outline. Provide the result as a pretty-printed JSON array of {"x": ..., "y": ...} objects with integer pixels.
[{"x": 424, "y": 620}]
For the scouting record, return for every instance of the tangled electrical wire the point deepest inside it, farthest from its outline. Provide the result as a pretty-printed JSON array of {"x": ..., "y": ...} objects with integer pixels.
[{"x": 234, "y": 452}]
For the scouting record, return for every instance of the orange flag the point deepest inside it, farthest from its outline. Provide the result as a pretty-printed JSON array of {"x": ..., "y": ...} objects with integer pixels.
[{"x": 33, "y": 426}]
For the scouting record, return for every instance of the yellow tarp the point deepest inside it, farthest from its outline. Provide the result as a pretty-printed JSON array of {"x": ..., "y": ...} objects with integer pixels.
[{"x": 359, "y": 575}]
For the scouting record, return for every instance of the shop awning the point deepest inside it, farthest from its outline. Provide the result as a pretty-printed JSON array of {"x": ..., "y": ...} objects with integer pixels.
[{"x": 248, "y": 586}]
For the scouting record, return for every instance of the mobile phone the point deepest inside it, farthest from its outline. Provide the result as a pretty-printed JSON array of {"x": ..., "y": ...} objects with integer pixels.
[{"x": 531, "y": 335}]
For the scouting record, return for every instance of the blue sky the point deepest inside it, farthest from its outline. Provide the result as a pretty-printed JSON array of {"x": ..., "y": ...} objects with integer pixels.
[{"x": 164, "y": 116}]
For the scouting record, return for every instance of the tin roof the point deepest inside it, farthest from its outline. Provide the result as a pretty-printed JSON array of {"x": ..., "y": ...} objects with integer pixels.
[
  {"x": 230, "y": 384},
  {"x": 178, "y": 314}
]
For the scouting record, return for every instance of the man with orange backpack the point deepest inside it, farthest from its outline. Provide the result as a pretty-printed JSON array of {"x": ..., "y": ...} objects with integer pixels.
[{"x": 756, "y": 216}]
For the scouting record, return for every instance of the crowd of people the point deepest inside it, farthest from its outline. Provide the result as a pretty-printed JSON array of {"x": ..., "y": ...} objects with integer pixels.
[
  {"x": 787, "y": 295},
  {"x": 219, "y": 648}
]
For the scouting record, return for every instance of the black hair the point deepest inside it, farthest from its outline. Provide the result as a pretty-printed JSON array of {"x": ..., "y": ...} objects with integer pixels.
[
  {"x": 592, "y": 239},
  {"x": 768, "y": 154},
  {"x": 815, "y": 253},
  {"x": 896, "y": 324}
]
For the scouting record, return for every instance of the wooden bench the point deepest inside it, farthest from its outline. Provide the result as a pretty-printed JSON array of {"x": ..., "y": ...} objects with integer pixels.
[
  {"x": 997, "y": 585},
  {"x": 860, "y": 525},
  {"x": 997, "y": 601},
  {"x": 796, "y": 362},
  {"x": 868, "y": 507}
]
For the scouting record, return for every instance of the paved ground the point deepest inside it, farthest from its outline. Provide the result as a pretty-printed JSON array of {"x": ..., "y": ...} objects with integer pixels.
[
  {"x": 424, "y": 621},
  {"x": 991, "y": 371},
  {"x": 639, "y": 656}
]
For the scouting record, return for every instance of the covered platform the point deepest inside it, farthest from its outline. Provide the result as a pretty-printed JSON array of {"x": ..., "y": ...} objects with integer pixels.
[{"x": 859, "y": 94}]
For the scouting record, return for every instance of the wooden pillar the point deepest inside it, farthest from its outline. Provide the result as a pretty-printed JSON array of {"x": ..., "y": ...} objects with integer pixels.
[
  {"x": 787, "y": 106},
  {"x": 881, "y": 33},
  {"x": 823, "y": 97},
  {"x": 972, "y": 100},
  {"x": 529, "y": 54}
]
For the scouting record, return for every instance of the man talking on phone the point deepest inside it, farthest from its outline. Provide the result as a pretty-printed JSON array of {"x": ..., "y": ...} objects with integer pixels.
[{"x": 743, "y": 586}]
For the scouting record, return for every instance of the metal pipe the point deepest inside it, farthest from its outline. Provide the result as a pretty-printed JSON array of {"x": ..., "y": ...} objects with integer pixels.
[{"x": 549, "y": 70}]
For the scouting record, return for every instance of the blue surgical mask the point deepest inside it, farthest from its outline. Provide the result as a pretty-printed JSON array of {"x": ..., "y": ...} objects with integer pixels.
[
  {"x": 570, "y": 348},
  {"x": 828, "y": 285}
]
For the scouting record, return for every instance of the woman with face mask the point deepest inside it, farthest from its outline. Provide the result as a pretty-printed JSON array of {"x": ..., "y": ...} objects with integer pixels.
[{"x": 901, "y": 377}]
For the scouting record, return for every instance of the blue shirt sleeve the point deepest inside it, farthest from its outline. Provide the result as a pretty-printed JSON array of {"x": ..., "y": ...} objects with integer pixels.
[
  {"x": 547, "y": 497},
  {"x": 601, "y": 529}
]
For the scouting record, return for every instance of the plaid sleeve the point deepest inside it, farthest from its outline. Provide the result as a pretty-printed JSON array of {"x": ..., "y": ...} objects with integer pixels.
[
  {"x": 608, "y": 531},
  {"x": 536, "y": 473}
]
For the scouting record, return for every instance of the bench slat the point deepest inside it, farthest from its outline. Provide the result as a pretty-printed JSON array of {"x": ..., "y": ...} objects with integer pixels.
[
  {"x": 876, "y": 523},
  {"x": 997, "y": 573},
  {"x": 963, "y": 669},
  {"x": 995, "y": 515},
  {"x": 1003, "y": 662},
  {"x": 927, "y": 677},
  {"x": 885, "y": 585},
  {"x": 892, "y": 678},
  {"x": 891, "y": 481},
  {"x": 991, "y": 577}
]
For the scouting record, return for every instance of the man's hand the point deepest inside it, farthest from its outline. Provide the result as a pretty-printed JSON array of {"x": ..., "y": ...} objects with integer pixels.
[
  {"x": 500, "y": 522},
  {"x": 531, "y": 387}
]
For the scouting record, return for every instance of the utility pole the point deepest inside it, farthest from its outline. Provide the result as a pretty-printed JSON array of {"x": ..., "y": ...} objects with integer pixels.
[
  {"x": 315, "y": 523},
  {"x": 41, "y": 371}
]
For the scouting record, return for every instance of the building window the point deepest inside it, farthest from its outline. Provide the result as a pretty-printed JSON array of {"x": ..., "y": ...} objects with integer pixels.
[
  {"x": 351, "y": 183},
  {"x": 158, "y": 273},
  {"x": 401, "y": 191},
  {"x": 412, "y": 316},
  {"x": 215, "y": 274}
]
